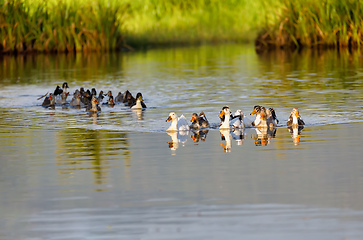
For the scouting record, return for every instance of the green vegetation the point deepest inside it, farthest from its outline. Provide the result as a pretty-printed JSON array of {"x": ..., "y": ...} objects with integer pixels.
[
  {"x": 324, "y": 23},
  {"x": 100, "y": 25},
  {"x": 59, "y": 26}
]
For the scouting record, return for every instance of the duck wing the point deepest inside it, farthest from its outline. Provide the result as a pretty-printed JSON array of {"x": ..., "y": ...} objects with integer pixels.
[
  {"x": 289, "y": 122},
  {"x": 182, "y": 124},
  {"x": 300, "y": 121}
]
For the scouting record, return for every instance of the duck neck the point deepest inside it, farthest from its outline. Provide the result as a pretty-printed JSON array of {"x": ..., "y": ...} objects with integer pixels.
[
  {"x": 225, "y": 124},
  {"x": 295, "y": 120},
  {"x": 173, "y": 126}
]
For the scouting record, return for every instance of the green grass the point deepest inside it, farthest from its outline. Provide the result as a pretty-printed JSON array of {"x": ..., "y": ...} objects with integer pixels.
[
  {"x": 104, "y": 25},
  {"x": 325, "y": 23},
  {"x": 59, "y": 26}
]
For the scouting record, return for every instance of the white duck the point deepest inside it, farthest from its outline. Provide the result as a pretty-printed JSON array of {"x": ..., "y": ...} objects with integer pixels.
[
  {"x": 177, "y": 124},
  {"x": 225, "y": 115},
  {"x": 239, "y": 123}
]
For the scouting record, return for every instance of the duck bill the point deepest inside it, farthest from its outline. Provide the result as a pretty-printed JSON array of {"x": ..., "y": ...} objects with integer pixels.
[
  {"x": 221, "y": 114},
  {"x": 253, "y": 112},
  {"x": 169, "y": 119},
  {"x": 193, "y": 119}
]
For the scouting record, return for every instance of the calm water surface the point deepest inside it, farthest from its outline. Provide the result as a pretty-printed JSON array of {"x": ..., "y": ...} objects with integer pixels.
[{"x": 66, "y": 174}]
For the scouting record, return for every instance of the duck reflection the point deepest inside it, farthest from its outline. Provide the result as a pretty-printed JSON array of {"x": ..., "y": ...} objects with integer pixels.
[
  {"x": 139, "y": 113},
  {"x": 176, "y": 138},
  {"x": 199, "y": 135},
  {"x": 264, "y": 135},
  {"x": 238, "y": 134},
  {"x": 94, "y": 116},
  {"x": 226, "y": 136},
  {"x": 295, "y": 131}
]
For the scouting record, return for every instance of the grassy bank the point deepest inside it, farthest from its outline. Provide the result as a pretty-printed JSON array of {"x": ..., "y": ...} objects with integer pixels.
[
  {"x": 86, "y": 25},
  {"x": 59, "y": 26},
  {"x": 102, "y": 25},
  {"x": 325, "y": 23}
]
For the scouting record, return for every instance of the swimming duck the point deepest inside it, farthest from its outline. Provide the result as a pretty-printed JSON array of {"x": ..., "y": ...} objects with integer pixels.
[
  {"x": 199, "y": 121},
  {"x": 295, "y": 118},
  {"x": 225, "y": 116},
  {"x": 139, "y": 103},
  {"x": 128, "y": 98},
  {"x": 272, "y": 120},
  {"x": 94, "y": 107},
  {"x": 256, "y": 110},
  {"x": 110, "y": 101},
  {"x": 239, "y": 123},
  {"x": 261, "y": 116},
  {"x": 177, "y": 124},
  {"x": 76, "y": 100},
  {"x": 49, "y": 101},
  {"x": 119, "y": 97}
]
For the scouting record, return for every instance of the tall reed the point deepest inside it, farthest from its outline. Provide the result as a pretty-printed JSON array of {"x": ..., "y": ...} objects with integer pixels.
[
  {"x": 60, "y": 26},
  {"x": 325, "y": 23}
]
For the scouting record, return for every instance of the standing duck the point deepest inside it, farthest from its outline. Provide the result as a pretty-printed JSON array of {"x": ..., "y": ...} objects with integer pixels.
[
  {"x": 295, "y": 118},
  {"x": 177, "y": 124}
]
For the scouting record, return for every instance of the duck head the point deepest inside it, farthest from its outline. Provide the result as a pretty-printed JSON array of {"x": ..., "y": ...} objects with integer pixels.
[
  {"x": 256, "y": 110},
  {"x": 194, "y": 117},
  {"x": 172, "y": 116},
  {"x": 139, "y": 97}
]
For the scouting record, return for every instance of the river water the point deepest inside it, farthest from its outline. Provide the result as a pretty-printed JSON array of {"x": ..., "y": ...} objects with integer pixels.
[{"x": 67, "y": 174}]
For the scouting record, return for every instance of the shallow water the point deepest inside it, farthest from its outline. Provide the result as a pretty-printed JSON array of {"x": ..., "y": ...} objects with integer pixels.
[{"x": 66, "y": 174}]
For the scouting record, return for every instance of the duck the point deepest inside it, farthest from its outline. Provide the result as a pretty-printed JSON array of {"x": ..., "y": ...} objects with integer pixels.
[
  {"x": 128, "y": 98},
  {"x": 199, "y": 121},
  {"x": 177, "y": 124},
  {"x": 76, "y": 100},
  {"x": 261, "y": 116},
  {"x": 225, "y": 116},
  {"x": 272, "y": 120},
  {"x": 239, "y": 123},
  {"x": 94, "y": 107},
  {"x": 49, "y": 101},
  {"x": 110, "y": 101},
  {"x": 119, "y": 98},
  {"x": 100, "y": 98},
  {"x": 256, "y": 110},
  {"x": 139, "y": 103},
  {"x": 295, "y": 118}
]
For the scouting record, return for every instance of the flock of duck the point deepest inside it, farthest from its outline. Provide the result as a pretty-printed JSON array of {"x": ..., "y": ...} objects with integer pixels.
[
  {"x": 265, "y": 118},
  {"x": 90, "y": 100},
  {"x": 265, "y": 122}
]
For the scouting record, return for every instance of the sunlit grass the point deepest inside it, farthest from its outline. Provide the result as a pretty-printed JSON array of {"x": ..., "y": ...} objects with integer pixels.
[
  {"x": 326, "y": 23},
  {"x": 103, "y": 25}
]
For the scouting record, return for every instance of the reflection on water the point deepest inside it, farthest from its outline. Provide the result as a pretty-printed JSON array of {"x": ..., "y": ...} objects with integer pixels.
[
  {"x": 239, "y": 135},
  {"x": 176, "y": 138},
  {"x": 82, "y": 149},
  {"x": 264, "y": 135},
  {"x": 295, "y": 131},
  {"x": 67, "y": 174},
  {"x": 199, "y": 135},
  {"x": 226, "y": 140}
]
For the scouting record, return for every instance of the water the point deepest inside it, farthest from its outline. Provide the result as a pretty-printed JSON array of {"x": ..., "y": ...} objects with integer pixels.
[{"x": 66, "y": 174}]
